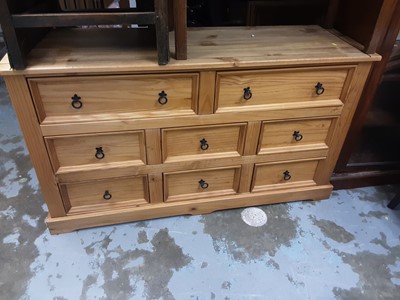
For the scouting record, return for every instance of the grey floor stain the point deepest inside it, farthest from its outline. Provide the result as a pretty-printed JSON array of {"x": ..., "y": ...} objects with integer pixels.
[
  {"x": 245, "y": 243},
  {"x": 226, "y": 285},
  {"x": 142, "y": 237},
  {"x": 15, "y": 272},
  {"x": 156, "y": 269},
  {"x": 273, "y": 264},
  {"x": 373, "y": 270},
  {"x": 87, "y": 283},
  {"x": 333, "y": 231},
  {"x": 377, "y": 195},
  {"x": 90, "y": 249},
  {"x": 294, "y": 282},
  {"x": 375, "y": 214}
]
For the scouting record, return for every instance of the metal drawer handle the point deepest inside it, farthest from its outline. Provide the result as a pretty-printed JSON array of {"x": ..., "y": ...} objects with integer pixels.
[
  {"x": 297, "y": 136},
  {"x": 203, "y": 184},
  {"x": 163, "y": 98},
  {"x": 204, "y": 144},
  {"x": 99, "y": 153},
  {"x": 107, "y": 195},
  {"x": 247, "y": 94},
  {"x": 76, "y": 102},
  {"x": 319, "y": 89},
  {"x": 286, "y": 175}
]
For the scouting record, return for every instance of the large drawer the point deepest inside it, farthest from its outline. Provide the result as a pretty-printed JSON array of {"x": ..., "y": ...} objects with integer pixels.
[
  {"x": 293, "y": 135},
  {"x": 105, "y": 194},
  {"x": 198, "y": 184},
  {"x": 89, "y": 151},
  {"x": 246, "y": 89},
  {"x": 203, "y": 142},
  {"x": 67, "y": 99},
  {"x": 282, "y": 175}
]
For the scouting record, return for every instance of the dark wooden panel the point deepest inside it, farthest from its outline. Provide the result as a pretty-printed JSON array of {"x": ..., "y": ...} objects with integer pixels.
[
  {"x": 81, "y": 19},
  {"x": 365, "y": 21},
  {"x": 162, "y": 32},
  {"x": 180, "y": 29}
]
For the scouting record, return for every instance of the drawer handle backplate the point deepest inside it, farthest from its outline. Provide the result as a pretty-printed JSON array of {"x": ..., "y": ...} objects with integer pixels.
[
  {"x": 319, "y": 89},
  {"x": 247, "y": 94},
  {"x": 107, "y": 195},
  {"x": 162, "y": 98},
  {"x": 204, "y": 144},
  {"x": 297, "y": 136},
  {"x": 203, "y": 184},
  {"x": 286, "y": 175},
  {"x": 99, "y": 153},
  {"x": 76, "y": 102}
]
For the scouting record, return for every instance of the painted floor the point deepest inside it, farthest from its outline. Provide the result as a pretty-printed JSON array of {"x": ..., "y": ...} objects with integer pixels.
[{"x": 347, "y": 247}]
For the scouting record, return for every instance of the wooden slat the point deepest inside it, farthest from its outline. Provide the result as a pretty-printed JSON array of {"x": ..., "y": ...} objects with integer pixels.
[
  {"x": 82, "y": 19},
  {"x": 206, "y": 92},
  {"x": 23, "y": 106},
  {"x": 161, "y": 22},
  {"x": 156, "y": 188},
  {"x": 252, "y": 138},
  {"x": 153, "y": 146},
  {"x": 246, "y": 177},
  {"x": 180, "y": 29}
]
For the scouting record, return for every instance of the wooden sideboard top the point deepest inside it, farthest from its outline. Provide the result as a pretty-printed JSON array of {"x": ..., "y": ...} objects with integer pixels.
[{"x": 69, "y": 51}]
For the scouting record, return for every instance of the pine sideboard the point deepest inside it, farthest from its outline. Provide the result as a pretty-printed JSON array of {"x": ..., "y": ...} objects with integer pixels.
[{"x": 254, "y": 116}]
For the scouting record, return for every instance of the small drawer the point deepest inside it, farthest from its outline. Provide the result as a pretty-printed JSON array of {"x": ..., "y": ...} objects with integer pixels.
[
  {"x": 72, "y": 153},
  {"x": 85, "y": 197},
  {"x": 244, "y": 89},
  {"x": 203, "y": 142},
  {"x": 281, "y": 175},
  {"x": 201, "y": 183},
  {"x": 293, "y": 135},
  {"x": 70, "y": 99}
]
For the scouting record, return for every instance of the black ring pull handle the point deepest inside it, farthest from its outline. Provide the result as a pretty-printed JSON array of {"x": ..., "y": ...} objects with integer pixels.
[
  {"x": 76, "y": 102},
  {"x": 204, "y": 144},
  {"x": 162, "y": 98},
  {"x": 247, "y": 94},
  {"x": 319, "y": 89},
  {"x": 297, "y": 136},
  {"x": 203, "y": 184},
  {"x": 286, "y": 175},
  {"x": 107, "y": 195},
  {"x": 99, "y": 153}
]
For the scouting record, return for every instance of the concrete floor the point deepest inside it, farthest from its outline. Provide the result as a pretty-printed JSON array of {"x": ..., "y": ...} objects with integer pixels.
[{"x": 347, "y": 247}]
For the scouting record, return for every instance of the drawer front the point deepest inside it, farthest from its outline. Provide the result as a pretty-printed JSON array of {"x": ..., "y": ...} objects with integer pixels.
[
  {"x": 269, "y": 176},
  {"x": 251, "y": 88},
  {"x": 114, "y": 96},
  {"x": 291, "y": 135},
  {"x": 105, "y": 194},
  {"x": 94, "y": 150},
  {"x": 201, "y": 183},
  {"x": 203, "y": 142}
]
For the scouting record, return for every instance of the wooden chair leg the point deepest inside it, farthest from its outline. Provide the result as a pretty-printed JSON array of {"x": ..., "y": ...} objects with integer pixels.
[
  {"x": 162, "y": 33},
  {"x": 394, "y": 202}
]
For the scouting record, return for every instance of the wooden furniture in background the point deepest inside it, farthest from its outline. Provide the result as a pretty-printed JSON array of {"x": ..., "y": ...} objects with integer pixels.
[
  {"x": 370, "y": 153},
  {"x": 116, "y": 140},
  {"x": 26, "y": 23}
]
